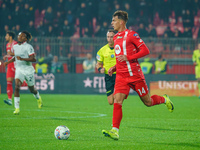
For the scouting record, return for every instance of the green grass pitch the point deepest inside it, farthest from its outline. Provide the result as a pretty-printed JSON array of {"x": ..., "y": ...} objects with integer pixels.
[{"x": 151, "y": 128}]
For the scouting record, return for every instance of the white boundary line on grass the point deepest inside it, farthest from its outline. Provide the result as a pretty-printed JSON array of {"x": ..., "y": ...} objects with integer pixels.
[{"x": 94, "y": 115}]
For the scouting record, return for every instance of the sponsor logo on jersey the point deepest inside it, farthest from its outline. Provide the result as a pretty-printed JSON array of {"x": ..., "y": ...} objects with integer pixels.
[
  {"x": 140, "y": 40},
  {"x": 117, "y": 49},
  {"x": 136, "y": 35},
  {"x": 98, "y": 57},
  {"x": 119, "y": 37},
  {"x": 112, "y": 56}
]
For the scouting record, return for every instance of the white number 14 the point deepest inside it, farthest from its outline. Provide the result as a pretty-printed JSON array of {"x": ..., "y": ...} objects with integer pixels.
[{"x": 143, "y": 91}]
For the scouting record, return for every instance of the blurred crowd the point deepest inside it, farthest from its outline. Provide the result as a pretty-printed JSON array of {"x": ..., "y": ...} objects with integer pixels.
[{"x": 92, "y": 18}]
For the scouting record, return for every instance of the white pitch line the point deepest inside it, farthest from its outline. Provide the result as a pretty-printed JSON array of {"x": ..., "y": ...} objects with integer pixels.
[{"x": 95, "y": 115}]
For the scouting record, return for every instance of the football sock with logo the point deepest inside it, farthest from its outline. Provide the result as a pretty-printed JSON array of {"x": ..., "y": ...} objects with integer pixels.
[
  {"x": 156, "y": 100},
  {"x": 37, "y": 96},
  {"x": 117, "y": 115},
  {"x": 9, "y": 90},
  {"x": 17, "y": 101}
]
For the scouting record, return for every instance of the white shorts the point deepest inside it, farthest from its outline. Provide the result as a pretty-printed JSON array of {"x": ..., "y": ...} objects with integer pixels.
[{"x": 30, "y": 80}]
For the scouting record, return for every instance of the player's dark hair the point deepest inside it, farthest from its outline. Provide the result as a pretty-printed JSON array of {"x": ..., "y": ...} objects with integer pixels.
[
  {"x": 111, "y": 30},
  {"x": 28, "y": 35},
  {"x": 121, "y": 15},
  {"x": 11, "y": 33}
]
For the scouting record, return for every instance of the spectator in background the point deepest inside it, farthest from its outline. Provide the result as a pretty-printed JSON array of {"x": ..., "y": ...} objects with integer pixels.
[
  {"x": 160, "y": 29},
  {"x": 6, "y": 29},
  {"x": 187, "y": 19},
  {"x": 146, "y": 66},
  {"x": 41, "y": 29},
  {"x": 87, "y": 32},
  {"x": 89, "y": 64},
  {"x": 160, "y": 65},
  {"x": 168, "y": 33},
  {"x": 28, "y": 14},
  {"x": 187, "y": 33},
  {"x": 83, "y": 18},
  {"x": 67, "y": 29},
  {"x": 48, "y": 18},
  {"x": 17, "y": 28},
  {"x": 50, "y": 31},
  {"x": 101, "y": 29},
  {"x": 141, "y": 31},
  {"x": 31, "y": 28},
  {"x": 177, "y": 33},
  {"x": 131, "y": 14},
  {"x": 9, "y": 20},
  {"x": 70, "y": 17},
  {"x": 60, "y": 6},
  {"x": 151, "y": 31},
  {"x": 58, "y": 20},
  {"x": 156, "y": 19},
  {"x": 56, "y": 66}
]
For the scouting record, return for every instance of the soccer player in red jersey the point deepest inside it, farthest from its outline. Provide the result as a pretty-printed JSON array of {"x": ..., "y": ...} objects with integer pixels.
[
  {"x": 128, "y": 48},
  {"x": 10, "y": 73}
]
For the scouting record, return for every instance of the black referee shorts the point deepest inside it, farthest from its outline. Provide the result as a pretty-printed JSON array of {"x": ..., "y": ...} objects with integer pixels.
[{"x": 110, "y": 83}]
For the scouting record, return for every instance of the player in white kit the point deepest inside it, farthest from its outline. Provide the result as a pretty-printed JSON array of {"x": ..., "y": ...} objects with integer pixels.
[{"x": 24, "y": 56}]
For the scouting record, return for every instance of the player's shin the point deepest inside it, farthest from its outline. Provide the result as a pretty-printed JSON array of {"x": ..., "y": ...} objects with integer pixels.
[
  {"x": 9, "y": 89},
  {"x": 17, "y": 101},
  {"x": 117, "y": 115}
]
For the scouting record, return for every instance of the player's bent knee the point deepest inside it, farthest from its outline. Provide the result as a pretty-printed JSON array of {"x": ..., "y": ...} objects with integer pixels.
[{"x": 110, "y": 103}]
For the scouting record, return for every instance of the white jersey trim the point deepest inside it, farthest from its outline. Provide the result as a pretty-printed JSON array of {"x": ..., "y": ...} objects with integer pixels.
[
  {"x": 125, "y": 53},
  {"x": 140, "y": 45}
]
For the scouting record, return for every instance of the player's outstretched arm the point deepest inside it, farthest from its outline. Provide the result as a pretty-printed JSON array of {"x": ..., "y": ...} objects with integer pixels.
[
  {"x": 31, "y": 58},
  {"x": 10, "y": 61}
]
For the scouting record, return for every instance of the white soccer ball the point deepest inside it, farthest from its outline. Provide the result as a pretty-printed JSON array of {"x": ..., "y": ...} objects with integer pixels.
[{"x": 62, "y": 132}]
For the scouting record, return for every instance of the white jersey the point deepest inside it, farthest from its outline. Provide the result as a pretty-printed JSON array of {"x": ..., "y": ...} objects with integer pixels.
[{"x": 24, "y": 51}]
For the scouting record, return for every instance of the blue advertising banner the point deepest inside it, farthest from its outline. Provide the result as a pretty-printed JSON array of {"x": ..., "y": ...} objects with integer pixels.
[{"x": 82, "y": 83}]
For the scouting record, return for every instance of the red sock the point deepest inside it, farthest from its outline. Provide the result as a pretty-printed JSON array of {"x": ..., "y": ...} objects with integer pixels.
[
  {"x": 9, "y": 89},
  {"x": 155, "y": 100},
  {"x": 117, "y": 115}
]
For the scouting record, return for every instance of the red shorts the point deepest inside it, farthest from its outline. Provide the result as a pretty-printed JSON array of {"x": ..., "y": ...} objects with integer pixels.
[
  {"x": 123, "y": 85},
  {"x": 10, "y": 72}
]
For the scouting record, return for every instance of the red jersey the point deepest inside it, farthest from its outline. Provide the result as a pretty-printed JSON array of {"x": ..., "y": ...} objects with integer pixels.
[
  {"x": 9, "y": 47},
  {"x": 128, "y": 43}
]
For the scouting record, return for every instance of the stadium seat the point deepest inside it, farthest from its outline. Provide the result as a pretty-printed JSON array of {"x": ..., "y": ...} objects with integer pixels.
[
  {"x": 65, "y": 68},
  {"x": 79, "y": 68}
]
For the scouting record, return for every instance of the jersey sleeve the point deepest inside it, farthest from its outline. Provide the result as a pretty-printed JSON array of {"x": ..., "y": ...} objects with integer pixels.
[
  {"x": 136, "y": 40},
  {"x": 99, "y": 56},
  {"x": 30, "y": 50},
  {"x": 139, "y": 43}
]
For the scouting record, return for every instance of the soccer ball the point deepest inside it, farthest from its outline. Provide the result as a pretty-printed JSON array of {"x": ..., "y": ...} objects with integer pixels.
[{"x": 62, "y": 133}]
